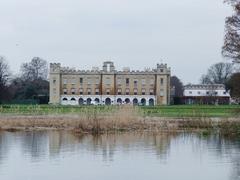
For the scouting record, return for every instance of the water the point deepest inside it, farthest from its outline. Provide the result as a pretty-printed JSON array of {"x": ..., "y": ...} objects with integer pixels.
[{"x": 50, "y": 155}]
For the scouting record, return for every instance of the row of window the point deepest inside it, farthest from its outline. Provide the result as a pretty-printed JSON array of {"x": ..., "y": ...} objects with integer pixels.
[
  {"x": 208, "y": 93},
  {"x": 108, "y": 81},
  {"x": 119, "y": 91}
]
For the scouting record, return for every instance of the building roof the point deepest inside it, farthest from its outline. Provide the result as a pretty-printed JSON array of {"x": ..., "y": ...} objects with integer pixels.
[{"x": 204, "y": 86}]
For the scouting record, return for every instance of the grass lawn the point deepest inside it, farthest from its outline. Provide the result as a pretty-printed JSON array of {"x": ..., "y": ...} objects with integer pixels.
[
  {"x": 193, "y": 111},
  {"x": 159, "y": 111}
]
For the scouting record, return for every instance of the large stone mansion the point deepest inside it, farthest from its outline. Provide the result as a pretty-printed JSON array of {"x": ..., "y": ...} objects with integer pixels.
[{"x": 109, "y": 86}]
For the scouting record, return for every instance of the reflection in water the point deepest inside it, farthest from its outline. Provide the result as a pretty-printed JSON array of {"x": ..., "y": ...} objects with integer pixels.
[
  {"x": 107, "y": 144},
  {"x": 34, "y": 144},
  {"x": 184, "y": 154},
  {"x": 4, "y": 147}
]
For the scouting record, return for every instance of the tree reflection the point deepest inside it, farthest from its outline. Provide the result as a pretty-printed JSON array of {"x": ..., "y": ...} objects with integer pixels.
[
  {"x": 4, "y": 146},
  {"x": 225, "y": 147},
  {"x": 35, "y": 144}
]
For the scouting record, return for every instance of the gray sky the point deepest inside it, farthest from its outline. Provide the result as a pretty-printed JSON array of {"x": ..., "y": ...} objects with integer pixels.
[{"x": 186, "y": 34}]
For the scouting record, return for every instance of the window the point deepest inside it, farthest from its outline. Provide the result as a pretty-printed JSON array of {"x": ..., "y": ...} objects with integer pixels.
[
  {"x": 151, "y": 91},
  {"x": 143, "y": 91},
  {"x": 107, "y": 91},
  {"x": 161, "y": 70},
  {"x": 224, "y": 92},
  {"x": 97, "y": 91},
  {"x": 127, "y": 91},
  {"x": 81, "y": 91},
  {"x": 54, "y": 81},
  {"x": 143, "y": 81},
  {"x": 190, "y": 92},
  {"x": 108, "y": 81},
  {"x": 89, "y": 91},
  {"x": 64, "y": 91},
  {"x": 127, "y": 81},
  {"x": 88, "y": 80},
  {"x": 216, "y": 93},
  {"x": 207, "y": 92},
  {"x": 151, "y": 81},
  {"x": 64, "y": 81},
  {"x": 73, "y": 81},
  {"x": 73, "y": 91},
  {"x": 119, "y": 91},
  {"x": 119, "y": 81},
  {"x": 161, "y": 81},
  {"x": 135, "y": 82},
  {"x": 97, "y": 81},
  {"x": 81, "y": 80},
  {"x": 135, "y": 91},
  {"x": 199, "y": 92}
]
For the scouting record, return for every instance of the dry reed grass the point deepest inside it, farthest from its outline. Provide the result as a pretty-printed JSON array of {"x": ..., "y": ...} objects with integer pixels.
[{"x": 122, "y": 118}]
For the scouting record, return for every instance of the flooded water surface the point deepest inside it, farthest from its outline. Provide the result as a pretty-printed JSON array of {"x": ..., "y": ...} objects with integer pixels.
[{"x": 50, "y": 155}]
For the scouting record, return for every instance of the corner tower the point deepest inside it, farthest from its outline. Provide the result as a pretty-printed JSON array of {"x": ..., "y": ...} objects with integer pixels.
[
  {"x": 163, "y": 84},
  {"x": 55, "y": 83}
]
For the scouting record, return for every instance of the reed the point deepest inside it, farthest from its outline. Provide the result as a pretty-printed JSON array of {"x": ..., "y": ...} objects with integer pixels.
[
  {"x": 92, "y": 120},
  {"x": 230, "y": 127},
  {"x": 97, "y": 120}
]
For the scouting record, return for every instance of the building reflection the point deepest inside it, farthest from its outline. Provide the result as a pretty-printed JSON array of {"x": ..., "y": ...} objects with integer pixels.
[
  {"x": 41, "y": 145},
  {"x": 107, "y": 144}
]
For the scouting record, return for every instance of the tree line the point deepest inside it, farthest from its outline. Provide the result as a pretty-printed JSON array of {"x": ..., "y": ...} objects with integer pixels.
[{"x": 31, "y": 86}]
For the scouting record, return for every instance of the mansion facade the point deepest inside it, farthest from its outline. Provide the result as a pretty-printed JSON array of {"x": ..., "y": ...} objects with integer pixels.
[{"x": 109, "y": 86}]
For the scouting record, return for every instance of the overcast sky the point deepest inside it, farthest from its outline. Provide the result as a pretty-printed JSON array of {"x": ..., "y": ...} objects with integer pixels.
[{"x": 186, "y": 34}]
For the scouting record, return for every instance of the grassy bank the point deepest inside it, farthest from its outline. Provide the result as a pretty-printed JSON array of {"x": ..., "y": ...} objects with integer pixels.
[
  {"x": 193, "y": 111},
  {"x": 180, "y": 111},
  {"x": 93, "y": 119}
]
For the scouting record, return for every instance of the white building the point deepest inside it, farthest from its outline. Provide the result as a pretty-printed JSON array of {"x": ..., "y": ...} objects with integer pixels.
[{"x": 206, "y": 94}]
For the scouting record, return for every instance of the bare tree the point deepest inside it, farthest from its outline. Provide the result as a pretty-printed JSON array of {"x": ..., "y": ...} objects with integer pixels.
[
  {"x": 231, "y": 47},
  {"x": 176, "y": 90},
  {"x": 4, "y": 77},
  {"x": 234, "y": 86},
  {"x": 218, "y": 73},
  {"x": 177, "y": 85},
  {"x": 4, "y": 71},
  {"x": 36, "y": 69},
  {"x": 205, "y": 79}
]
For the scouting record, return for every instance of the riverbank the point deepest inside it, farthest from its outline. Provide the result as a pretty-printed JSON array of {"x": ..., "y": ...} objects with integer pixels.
[
  {"x": 106, "y": 124},
  {"x": 114, "y": 119}
]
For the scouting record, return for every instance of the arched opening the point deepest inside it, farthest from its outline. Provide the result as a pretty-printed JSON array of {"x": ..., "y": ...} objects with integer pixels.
[
  {"x": 89, "y": 101},
  {"x": 108, "y": 101},
  {"x": 65, "y": 99},
  {"x": 151, "y": 102},
  {"x": 81, "y": 101},
  {"x": 127, "y": 101},
  {"x": 135, "y": 101},
  {"x": 97, "y": 101},
  {"x": 143, "y": 101},
  {"x": 119, "y": 101},
  {"x": 73, "y": 99}
]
